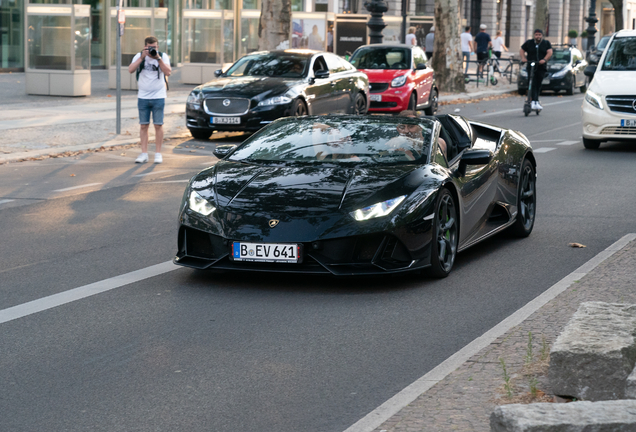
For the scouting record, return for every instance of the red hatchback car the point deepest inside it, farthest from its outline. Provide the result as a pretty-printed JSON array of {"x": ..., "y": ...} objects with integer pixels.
[{"x": 399, "y": 78}]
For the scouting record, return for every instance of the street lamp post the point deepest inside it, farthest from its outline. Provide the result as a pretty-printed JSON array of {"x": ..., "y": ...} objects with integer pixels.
[
  {"x": 591, "y": 29},
  {"x": 376, "y": 24}
]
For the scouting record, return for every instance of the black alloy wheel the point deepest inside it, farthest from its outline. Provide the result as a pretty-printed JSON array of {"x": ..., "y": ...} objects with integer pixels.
[
  {"x": 412, "y": 102},
  {"x": 570, "y": 91},
  {"x": 526, "y": 201},
  {"x": 299, "y": 108},
  {"x": 202, "y": 134},
  {"x": 360, "y": 105},
  {"x": 433, "y": 102},
  {"x": 591, "y": 144},
  {"x": 445, "y": 236},
  {"x": 583, "y": 88}
]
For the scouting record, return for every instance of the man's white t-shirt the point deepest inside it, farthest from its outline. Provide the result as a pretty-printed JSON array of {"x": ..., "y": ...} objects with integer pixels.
[
  {"x": 497, "y": 44},
  {"x": 409, "y": 39},
  {"x": 466, "y": 38},
  {"x": 151, "y": 84}
]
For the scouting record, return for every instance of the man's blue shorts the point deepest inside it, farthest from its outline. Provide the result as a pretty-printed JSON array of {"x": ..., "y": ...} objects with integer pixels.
[{"x": 146, "y": 106}]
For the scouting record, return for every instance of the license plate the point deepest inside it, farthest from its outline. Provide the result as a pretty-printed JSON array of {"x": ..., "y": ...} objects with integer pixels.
[
  {"x": 226, "y": 120},
  {"x": 375, "y": 98},
  {"x": 546, "y": 81},
  {"x": 266, "y": 252},
  {"x": 628, "y": 123}
]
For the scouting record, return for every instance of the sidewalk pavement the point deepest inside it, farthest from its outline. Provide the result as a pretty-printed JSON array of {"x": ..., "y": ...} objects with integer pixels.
[{"x": 35, "y": 126}]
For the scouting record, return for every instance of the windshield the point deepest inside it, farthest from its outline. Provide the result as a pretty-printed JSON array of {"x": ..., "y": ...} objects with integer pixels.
[
  {"x": 382, "y": 58},
  {"x": 602, "y": 43},
  {"x": 560, "y": 56},
  {"x": 343, "y": 140},
  {"x": 286, "y": 65},
  {"x": 621, "y": 54}
]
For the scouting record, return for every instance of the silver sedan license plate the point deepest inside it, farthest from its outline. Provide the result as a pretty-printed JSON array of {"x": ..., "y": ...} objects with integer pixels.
[
  {"x": 628, "y": 122},
  {"x": 226, "y": 120},
  {"x": 266, "y": 252}
]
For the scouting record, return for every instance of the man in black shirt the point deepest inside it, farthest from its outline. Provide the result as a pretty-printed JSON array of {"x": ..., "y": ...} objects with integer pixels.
[{"x": 536, "y": 50}]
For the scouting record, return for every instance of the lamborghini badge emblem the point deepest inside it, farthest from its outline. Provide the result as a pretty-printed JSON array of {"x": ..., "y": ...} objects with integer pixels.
[{"x": 273, "y": 223}]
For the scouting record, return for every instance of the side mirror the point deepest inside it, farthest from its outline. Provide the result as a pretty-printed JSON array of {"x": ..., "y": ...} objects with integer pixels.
[
  {"x": 474, "y": 157},
  {"x": 589, "y": 71},
  {"x": 218, "y": 73},
  {"x": 322, "y": 73},
  {"x": 223, "y": 150},
  {"x": 420, "y": 66}
]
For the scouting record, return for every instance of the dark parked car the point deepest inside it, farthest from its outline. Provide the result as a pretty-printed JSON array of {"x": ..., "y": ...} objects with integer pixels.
[
  {"x": 264, "y": 86},
  {"x": 348, "y": 195},
  {"x": 564, "y": 72}
]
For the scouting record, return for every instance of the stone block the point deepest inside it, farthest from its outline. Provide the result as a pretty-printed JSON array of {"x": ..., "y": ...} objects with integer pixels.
[
  {"x": 630, "y": 386},
  {"x": 615, "y": 416},
  {"x": 596, "y": 352}
]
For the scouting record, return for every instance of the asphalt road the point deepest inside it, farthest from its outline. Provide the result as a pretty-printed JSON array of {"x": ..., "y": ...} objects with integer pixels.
[{"x": 192, "y": 351}]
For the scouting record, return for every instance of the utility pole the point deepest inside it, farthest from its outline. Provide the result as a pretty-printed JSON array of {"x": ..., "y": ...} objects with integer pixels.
[
  {"x": 376, "y": 24},
  {"x": 121, "y": 19},
  {"x": 405, "y": 5}
]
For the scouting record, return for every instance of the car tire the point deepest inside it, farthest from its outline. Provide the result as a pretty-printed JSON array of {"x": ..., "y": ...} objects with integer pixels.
[
  {"x": 201, "y": 133},
  {"x": 412, "y": 102},
  {"x": 522, "y": 92},
  {"x": 591, "y": 144},
  {"x": 526, "y": 201},
  {"x": 299, "y": 108},
  {"x": 583, "y": 88},
  {"x": 433, "y": 103},
  {"x": 445, "y": 235},
  {"x": 570, "y": 91},
  {"x": 360, "y": 105}
]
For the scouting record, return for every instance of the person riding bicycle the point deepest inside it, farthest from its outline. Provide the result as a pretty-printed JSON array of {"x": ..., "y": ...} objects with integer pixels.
[{"x": 539, "y": 51}]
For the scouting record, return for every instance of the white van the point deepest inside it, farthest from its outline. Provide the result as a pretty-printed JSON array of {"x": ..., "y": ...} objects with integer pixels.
[{"x": 609, "y": 108}]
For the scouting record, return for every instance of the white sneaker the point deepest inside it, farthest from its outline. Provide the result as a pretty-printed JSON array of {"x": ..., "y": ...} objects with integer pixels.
[
  {"x": 158, "y": 158},
  {"x": 533, "y": 105},
  {"x": 538, "y": 106},
  {"x": 142, "y": 158}
]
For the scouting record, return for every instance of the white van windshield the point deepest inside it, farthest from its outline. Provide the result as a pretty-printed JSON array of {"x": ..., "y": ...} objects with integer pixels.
[{"x": 621, "y": 55}]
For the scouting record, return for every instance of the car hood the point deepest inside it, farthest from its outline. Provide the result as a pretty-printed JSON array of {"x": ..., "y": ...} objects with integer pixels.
[
  {"x": 613, "y": 82},
  {"x": 383, "y": 75},
  {"x": 248, "y": 86},
  {"x": 310, "y": 202}
]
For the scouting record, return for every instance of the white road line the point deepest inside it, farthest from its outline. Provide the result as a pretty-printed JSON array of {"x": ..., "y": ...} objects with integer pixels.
[
  {"x": 544, "y": 149},
  {"x": 76, "y": 187},
  {"x": 554, "y": 130},
  {"x": 520, "y": 109},
  {"x": 75, "y": 294},
  {"x": 151, "y": 173},
  {"x": 568, "y": 143},
  {"x": 4, "y": 201},
  {"x": 391, "y": 407}
]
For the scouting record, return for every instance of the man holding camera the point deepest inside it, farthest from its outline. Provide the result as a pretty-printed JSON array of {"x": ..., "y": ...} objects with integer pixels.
[{"x": 152, "y": 67}]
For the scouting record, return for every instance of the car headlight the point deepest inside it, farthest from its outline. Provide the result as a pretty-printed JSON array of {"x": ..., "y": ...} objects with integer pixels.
[
  {"x": 200, "y": 204},
  {"x": 593, "y": 99},
  {"x": 562, "y": 72},
  {"x": 194, "y": 100},
  {"x": 377, "y": 210},
  {"x": 278, "y": 100},
  {"x": 398, "y": 81},
  {"x": 523, "y": 73}
]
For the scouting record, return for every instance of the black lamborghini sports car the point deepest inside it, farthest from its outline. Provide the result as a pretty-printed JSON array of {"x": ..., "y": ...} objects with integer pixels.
[{"x": 350, "y": 195}]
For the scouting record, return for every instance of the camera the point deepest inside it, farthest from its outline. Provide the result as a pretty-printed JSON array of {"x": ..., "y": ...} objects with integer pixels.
[{"x": 152, "y": 52}]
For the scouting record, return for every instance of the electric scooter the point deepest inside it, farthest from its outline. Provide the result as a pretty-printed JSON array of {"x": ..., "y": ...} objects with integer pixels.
[{"x": 528, "y": 104}]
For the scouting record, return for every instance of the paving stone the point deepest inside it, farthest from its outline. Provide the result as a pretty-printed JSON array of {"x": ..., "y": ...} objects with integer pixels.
[
  {"x": 596, "y": 352},
  {"x": 614, "y": 416},
  {"x": 630, "y": 386}
]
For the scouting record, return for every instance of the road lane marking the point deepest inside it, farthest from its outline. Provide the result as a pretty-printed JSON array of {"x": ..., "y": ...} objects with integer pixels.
[
  {"x": 544, "y": 149},
  {"x": 4, "y": 201},
  {"x": 392, "y": 406},
  {"x": 568, "y": 143},
  {"x": 151, "y": 173},
  {"x": 77, "y": 187},
  {"x": 520, "y": 110},
  {"x": 554, "y": 130},
  {"x": 75, "y": 294}
]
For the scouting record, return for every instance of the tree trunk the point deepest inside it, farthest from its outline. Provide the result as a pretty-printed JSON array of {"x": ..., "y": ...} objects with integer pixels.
[
  {"x": 447, "y": 55},
  {"x": 541, "y": 15},
  {"x": 618, "y": 14},
  {"x": 274, "y": 27}
]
